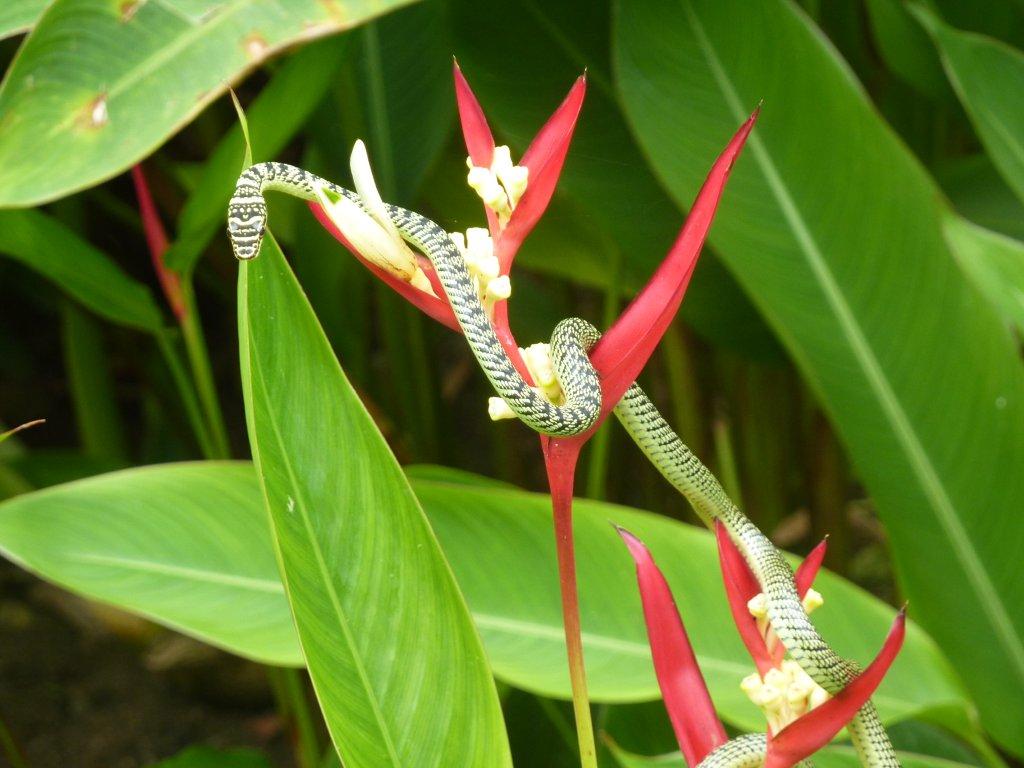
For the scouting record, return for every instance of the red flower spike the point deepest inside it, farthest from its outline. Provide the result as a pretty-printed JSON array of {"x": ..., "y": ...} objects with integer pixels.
[
  {"x": 544, "y": 159},
  {"x": 156, "y": 239},
  {"x": 808, "y": 569},
  {"x": 624, "y": 349},
  {"x": 740, "y": 587},
  {"x": 476, "y": 133},
  {"x": 808, "y": 734},
  {"x": 479, "y": 140},
  {"x": 686, "y": 696},
  {"x": 436, "y": 307}
]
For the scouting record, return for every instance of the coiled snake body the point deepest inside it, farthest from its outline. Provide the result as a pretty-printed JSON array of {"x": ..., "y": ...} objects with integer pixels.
[{"x": 570, "y": 342}]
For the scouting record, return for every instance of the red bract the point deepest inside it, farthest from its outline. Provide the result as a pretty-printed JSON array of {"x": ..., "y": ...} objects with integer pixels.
[
  {"x": 436, "y": 307},
  {"x": 682, "y": 685},
  {"x": 543, "y": 158},
  {"x": 156, "y": 239},
  {"x": 624, "y": 349},
  {"x": 808, "y": 569},
  {"x": 806, "y": 735},
  {"x": 697, "y": 727},
  {"x": 741, "y": 587}
]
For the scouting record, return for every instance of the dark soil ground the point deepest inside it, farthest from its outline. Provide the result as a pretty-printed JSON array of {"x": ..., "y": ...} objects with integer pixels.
[{"x": 82, "y": 686}]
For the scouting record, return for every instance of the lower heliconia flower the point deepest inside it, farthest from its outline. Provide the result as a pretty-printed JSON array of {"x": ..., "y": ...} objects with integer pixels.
[{"x": 802, "y": 717}]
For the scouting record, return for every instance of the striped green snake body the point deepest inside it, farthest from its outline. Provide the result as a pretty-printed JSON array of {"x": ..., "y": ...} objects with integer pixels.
[{"x": 571, "y": 340}]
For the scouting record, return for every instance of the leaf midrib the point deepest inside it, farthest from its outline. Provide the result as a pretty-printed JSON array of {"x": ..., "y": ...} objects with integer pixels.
[
  {"x": 159, "y": 57},
  {"x": 920, "y": 463},
  {"x": 300, "y": 503},
  {"x": 184, "y": 572}
]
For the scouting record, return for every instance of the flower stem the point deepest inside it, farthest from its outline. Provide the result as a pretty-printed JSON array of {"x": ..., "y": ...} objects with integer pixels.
[
  {"x": 202, "y": 376},
  {"x": 293, "y": 708},
  {"x": 560, "y": 460},
  {"x": 185, "y": 389}
]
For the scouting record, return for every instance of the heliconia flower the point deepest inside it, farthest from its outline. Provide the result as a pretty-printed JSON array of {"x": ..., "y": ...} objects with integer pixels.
[
  {"x": 812, "y": 731},
  {"x": 515, "y": 196},
  {"x": 373, "y": 239},
  {"x": 685, "y": 693},
  {"x": 690, "y": 709},
  {"x": 742, "y": 590}
]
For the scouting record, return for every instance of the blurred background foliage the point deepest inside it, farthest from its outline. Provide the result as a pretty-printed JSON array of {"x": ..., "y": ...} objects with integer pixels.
[{"x": 847, "y": 359}]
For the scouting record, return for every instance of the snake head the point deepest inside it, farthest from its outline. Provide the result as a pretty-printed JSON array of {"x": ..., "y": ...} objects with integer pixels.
[{"x": 246, "y": 225}]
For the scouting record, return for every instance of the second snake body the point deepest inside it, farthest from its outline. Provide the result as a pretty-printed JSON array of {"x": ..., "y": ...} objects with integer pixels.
[{"x": 570, "y": 342}]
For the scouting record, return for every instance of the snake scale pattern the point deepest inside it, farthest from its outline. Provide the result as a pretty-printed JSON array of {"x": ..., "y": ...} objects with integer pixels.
[{"x": 570, "y": 342}]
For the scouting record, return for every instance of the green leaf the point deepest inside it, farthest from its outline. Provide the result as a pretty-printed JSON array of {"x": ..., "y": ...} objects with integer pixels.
[
  {"x": 380, "y": 619},
  {"x": 44, "y": 244},
  {"x": 74, "y": 115},
  {"x": 988, "y": 76},
  {"x": 836, "y": 231},
  {"x": 150, "y": 541},
  {"x": 994, "y": 262},
  {"x": 274, "y": 117},
  {"x": 906, "y": 49},
  {"x": 17, "y": 16},
  {"x": 129, "y": 538},
  {"x": 489, "y": 531},
  {"x": 207, "y": 757},
  {"x": 403, "y": 88},
  {"x": 979, "y": 193}
]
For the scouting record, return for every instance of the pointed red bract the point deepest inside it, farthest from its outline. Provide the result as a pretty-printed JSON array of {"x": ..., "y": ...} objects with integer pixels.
[
  {"x": 802, "y": 579},
  {"x": 436, "y": 307},
  {"x": 740, "y": 587},
  {"x": 476, "y": 132},
  {"x": 544, "y": 158},
  {"x": 624, "y": 349},
  {"x": 809, "y": 568},
  {"x": 805, "y": 736},
  {"x": 156, "y": 239},
  {"x": 686, "y": 696}
]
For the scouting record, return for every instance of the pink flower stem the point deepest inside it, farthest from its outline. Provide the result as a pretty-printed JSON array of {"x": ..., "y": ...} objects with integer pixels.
[{"x": 560, "y": 457}]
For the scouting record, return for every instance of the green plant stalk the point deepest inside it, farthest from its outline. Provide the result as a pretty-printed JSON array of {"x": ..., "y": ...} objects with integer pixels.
[
  {"x": 557, "y": 719},
  {"x": 423, "y": 396},
  {"x": 684, "y": 393},
  {"x": 597, "y": 467},
  {"x": 402, "y": 327},
  {"x": 92, "y": 390},
  {"x": 187, "y": 392},
  {"x": 725, "y": 457},
  {"x": 10, "y": 748},
  {"x": 199, "y": 361},
  {"x": 299, "y": 714}
]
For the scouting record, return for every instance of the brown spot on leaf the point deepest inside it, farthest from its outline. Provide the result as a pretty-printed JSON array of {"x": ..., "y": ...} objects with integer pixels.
[
  {"x": 255, "y": 46},
  {"x": 94, "y": 114},
  {"x": 335, "y": 10},
  {"x": 129, "y": 8}
]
